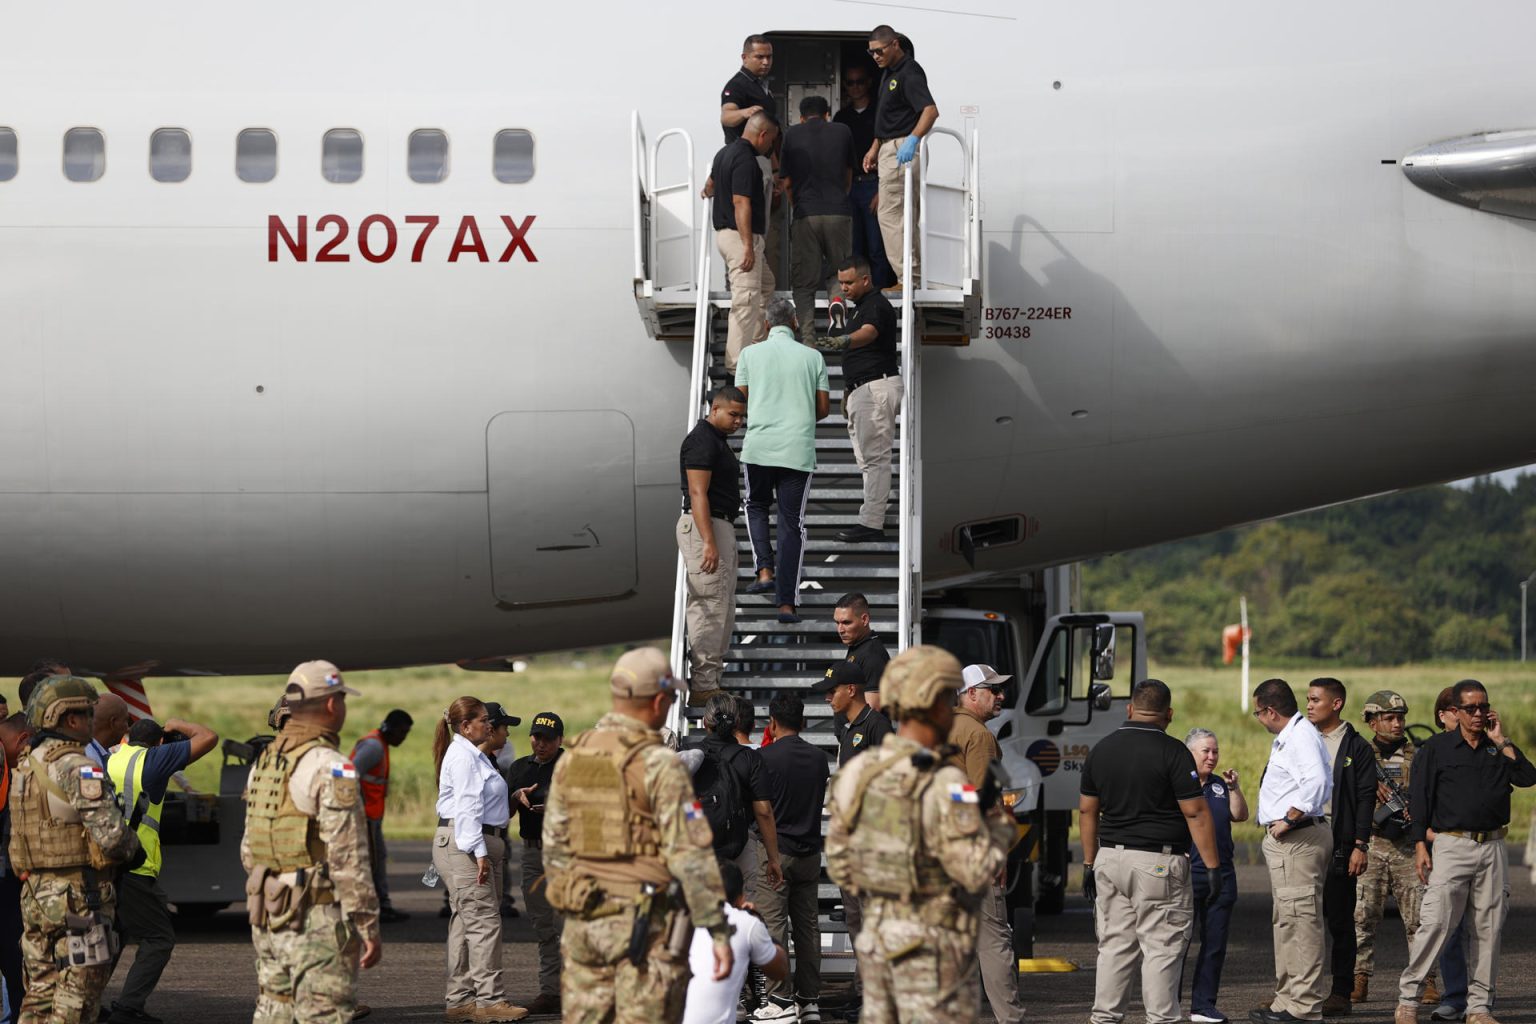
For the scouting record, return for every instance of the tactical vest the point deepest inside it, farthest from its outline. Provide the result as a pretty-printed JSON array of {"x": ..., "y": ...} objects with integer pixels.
[
  {"x": 46, "y": 830},
  {"x": 280, "y": 836},
  {"x": 885, "y": 831},
  {"x": 126, "y": 769},
  {"x": 375, "y": 783},
  {"x": 612, "y": 822}
]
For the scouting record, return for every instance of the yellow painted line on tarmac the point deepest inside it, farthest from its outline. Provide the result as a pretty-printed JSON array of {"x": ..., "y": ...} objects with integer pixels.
[{"x": 1046, "y": 965}]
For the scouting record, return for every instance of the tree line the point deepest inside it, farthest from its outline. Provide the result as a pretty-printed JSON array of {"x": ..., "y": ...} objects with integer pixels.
[{"x": 1423, "y": 574}]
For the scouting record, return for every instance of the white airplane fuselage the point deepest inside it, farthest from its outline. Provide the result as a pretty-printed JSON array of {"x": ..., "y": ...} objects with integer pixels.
[{"x": 221, "y": 457}]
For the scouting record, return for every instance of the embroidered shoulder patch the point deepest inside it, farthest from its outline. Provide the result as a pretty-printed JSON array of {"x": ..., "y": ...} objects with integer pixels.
[
  {"x": 343, "y": 770},
  {"x": 962, "y": 793}
]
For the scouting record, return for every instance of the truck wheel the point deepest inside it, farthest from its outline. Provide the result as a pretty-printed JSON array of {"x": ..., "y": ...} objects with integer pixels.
[{"x": 1051, "y": 897}]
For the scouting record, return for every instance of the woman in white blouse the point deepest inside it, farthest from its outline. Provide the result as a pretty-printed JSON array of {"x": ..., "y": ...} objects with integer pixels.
[{"x": 468, "y": 850}]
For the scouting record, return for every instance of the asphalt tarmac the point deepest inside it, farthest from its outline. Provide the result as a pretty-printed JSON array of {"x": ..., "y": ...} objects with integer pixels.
[{"x": 212, "y": 979}]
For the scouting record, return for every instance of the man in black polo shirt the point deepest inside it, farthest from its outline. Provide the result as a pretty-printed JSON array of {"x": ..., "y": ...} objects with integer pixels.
[
  {"x": 871, "y": 392},
  {"x": 747, "y": 93},
  {"x": 817, "y": 172},
  {"x": 740, "y": 217},
  {"x": 797, "y": 782},
  {"x": 858, "y": 726},
  {"x": 904, "y": 113},
  {"x": 706, "y": 536},
  {"x": 858, "y": 114},
  {"x": 528, "y": 786},
  {"x": 1141, "y": 803},
  {"x": 1459, "y": 798},
  {"x": 865, "y": 649}
]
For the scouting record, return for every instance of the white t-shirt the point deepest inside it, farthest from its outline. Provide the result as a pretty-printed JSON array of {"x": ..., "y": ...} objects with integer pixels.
[{"x": 714, "y": 1002}]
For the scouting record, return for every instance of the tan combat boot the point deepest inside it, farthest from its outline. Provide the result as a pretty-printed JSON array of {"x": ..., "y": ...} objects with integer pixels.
[
  {"x": 1362, "y": 990},
  {"x": 1481, "y": 1018},
  {"x": 499, "y": 1013},
  {"x": 463, "y": 1014},
  {"x": 1407, "y": 1013},
  {"x": 1431, "y": 996}
]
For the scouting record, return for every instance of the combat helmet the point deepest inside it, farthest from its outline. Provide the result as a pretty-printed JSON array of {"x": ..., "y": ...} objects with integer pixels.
[
  {"x": 55, "y": 697},
  {"x": 1382, "y": 702},
  {"x": 916, "y": 677}
]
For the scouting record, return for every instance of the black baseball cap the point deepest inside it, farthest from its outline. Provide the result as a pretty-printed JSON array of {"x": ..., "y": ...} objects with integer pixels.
[
  {"x": 497, "y": 715},
  {"x": 546, "y": 723},
  {"x": 839, "y": 674}
]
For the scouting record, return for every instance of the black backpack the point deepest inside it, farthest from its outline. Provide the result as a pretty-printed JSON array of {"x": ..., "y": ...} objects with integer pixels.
[{"x": 719, "y": 792}]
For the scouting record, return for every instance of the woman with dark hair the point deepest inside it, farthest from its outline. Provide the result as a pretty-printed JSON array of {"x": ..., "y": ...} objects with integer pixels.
[{"x": 468, "y": 850}]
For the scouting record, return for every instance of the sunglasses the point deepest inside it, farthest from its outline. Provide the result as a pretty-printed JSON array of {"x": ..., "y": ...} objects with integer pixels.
[
  {"x": 875, "y": 51},
  {"x": 1474, "y": 709}
]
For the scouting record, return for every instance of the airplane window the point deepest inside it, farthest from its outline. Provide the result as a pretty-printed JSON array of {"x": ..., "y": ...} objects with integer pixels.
[
  {"x": 256, "y": 155},
  {"x": 427, "y": 156},
  {"x": 513, "y": 158},
  {"x": 341, "y": 156},
  {"x": 7, "y": 154},
  {"x": 170, "y": 155},
  {"x": 85, "y": 154}
]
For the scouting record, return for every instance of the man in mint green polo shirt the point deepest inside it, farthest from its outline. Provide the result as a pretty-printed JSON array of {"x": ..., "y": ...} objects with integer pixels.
[{"x": 786, "y": 387}]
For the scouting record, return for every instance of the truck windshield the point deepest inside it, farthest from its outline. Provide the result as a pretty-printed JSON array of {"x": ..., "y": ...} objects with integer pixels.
[{"x": 977, "y": 641}]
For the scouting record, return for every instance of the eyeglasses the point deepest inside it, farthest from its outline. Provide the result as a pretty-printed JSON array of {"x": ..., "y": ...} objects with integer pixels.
[
  {"x": 875, "y": 51},
  {"x": 1474, "y": 709},
  {"x": 1259, "y": 711}
]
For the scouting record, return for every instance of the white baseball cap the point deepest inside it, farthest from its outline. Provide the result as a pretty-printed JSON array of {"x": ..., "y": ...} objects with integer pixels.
[{"x": 973, "y": 676}]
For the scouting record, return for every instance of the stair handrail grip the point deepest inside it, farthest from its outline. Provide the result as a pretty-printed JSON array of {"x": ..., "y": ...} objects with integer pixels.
[
  {"x": 973, "y": 251},
  {"x": 637, "y": 166},
  {"x": 653, "y": 190},
  {"x": 701, "y": 313},
  {"x": 904, "y": 505},
  {"x": 966, "y": 184}
]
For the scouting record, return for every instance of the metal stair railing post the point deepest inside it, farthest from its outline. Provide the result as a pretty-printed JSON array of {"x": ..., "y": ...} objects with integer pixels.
[
  {"x": 637, "y": 163},
  {"x": 660, "y": 202},
  {"x": 907, "y": 595},
  {"x": 697, "y": 374},
  {"x": 967, "y": 189}
]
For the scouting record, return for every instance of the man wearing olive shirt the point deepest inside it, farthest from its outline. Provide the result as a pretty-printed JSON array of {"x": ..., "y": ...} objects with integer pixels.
[{"x": 1459, "y": 800}]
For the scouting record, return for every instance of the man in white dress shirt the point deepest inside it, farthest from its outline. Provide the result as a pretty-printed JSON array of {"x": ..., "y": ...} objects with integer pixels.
[{"x": 1296, "y": 792}]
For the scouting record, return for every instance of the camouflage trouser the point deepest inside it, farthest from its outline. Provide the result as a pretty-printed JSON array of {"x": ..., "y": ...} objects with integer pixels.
[
  {"x": 599, "y": 985},
  {"x": 308, "y": 975},
  {"x": 916, "y": 972},
  {"x": 1389, "y": 870},
  {"x": 58, "y": 995}
]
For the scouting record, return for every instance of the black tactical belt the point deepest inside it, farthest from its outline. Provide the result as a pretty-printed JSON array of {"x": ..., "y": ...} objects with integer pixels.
[
  {"x": 500, "y": 831},
  {"x": 1476, "y": 837},
  {"x": 1163, "y": 848},
  {"x": 860, "y": 383}
]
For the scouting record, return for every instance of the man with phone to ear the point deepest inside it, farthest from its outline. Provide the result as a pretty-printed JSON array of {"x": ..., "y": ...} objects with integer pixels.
[{"x": 528, "y": 782}]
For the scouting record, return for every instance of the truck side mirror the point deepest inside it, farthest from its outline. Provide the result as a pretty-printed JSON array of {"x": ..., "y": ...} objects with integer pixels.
[
  {"x": 1100, "y": 697},
  {"x": 1104, "y": 651}
]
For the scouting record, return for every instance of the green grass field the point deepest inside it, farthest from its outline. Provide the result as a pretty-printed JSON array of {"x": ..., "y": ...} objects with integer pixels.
[{"x": 575, "y": 687}]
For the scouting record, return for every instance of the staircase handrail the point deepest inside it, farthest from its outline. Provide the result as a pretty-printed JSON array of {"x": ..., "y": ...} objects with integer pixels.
[
  {"x": 638, "y": 166},
  {"x": 968, "y": 185},
  {"x": 906, "y": 592},
  {"x": 701, "y": 314},
  {"x": 689, "y": 184}
]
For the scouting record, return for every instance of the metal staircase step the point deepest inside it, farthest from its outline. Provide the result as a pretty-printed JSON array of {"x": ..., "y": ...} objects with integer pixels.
[
  {"x": 833, "y": 572},
  {"x": 748, "y": 624},
  {"x": 877, "y": 598},
  {"x": 815, "y": 547},
  {"x": 787, "y": 652}
]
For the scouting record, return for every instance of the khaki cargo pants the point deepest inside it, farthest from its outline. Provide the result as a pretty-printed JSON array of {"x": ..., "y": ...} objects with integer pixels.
[
  {"x": 1465, "y": 877},
  {"x": 888, "y": 212},
  {"x": 1144, "y": 912},
  {"x": 711, "y": 600},
  {"x": 1298, "y": 866}
]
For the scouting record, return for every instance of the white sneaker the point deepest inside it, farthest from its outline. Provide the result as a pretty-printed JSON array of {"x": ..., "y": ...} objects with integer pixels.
[
  {"x": 776, "y": 1011},
  {"x": 1200, "y": 1018},
  {"x": 810, "y": 1013}
]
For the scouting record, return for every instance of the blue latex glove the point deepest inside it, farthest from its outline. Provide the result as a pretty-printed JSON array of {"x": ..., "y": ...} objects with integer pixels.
[{"x": 907, "y": 150}]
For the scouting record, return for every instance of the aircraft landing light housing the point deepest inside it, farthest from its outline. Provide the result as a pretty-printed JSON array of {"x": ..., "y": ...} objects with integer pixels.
[{"x": 1490, "y": 171}]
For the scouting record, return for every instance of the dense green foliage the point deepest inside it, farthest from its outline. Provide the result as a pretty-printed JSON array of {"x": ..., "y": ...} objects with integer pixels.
[{"x": 1426, "y": 574}]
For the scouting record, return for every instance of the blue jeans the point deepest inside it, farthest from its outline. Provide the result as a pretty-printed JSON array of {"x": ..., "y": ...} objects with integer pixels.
[
  {"x": 1453, "y": 969},
  {"x": 791, "y": 487},
  {"x": 867, "y": 241},
  {"x": 1213, "y": 916}
]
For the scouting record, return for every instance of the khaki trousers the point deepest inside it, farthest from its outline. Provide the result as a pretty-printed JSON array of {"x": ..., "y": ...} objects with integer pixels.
[
  {"x": 888, "y": 212},
  {"x": 1470, "y": 877},
  {"x": 711, "y": 600},
  {"x": 1298, "y": 867},
  {"x": 750, "y": 291},
  {"x": 1145, "y": 911},
  {"x": 547, "y": 922},
  {"x": 813, "y": 241},
  {"x": 474, "y": 931},
  {"x": 871, "y": 411},
  {"x": 994, "y": 954},
  {"x": 773, "y": 241}
]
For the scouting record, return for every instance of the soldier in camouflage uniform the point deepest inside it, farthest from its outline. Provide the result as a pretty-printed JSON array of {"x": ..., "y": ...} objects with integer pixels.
[
  {"x": 1389, "y": 868},
  {"x": 67, "y": 840},
  {"x": 314, "y": 914},
  {"x": 629, "y": 859},
  {"x": 919, "y": 845}
]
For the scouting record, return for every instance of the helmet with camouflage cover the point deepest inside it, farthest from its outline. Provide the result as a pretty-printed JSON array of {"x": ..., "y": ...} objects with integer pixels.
[
  {"x": 917, "y": 677},
  {"x": 1384, "y": 702},
  {"x": 55, "y": 697}
]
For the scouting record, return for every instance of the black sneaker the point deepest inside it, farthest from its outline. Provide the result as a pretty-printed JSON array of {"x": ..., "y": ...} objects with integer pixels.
[
  {"x": 389, "y": 915},
  {"x": 860, "y": 535},
  {"x": 127, "y": 1015}
]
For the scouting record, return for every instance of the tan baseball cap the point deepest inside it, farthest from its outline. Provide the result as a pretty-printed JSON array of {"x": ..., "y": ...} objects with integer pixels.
[
  {"x": 315, "y": 679},
  {"x": 641, "y": 673}
]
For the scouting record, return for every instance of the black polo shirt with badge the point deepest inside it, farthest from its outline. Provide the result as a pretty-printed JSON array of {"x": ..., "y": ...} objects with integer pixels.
[
  {"x": 736, "y": 173},
  {"x": 869, "y": 729},
  {"x": 746, "y": 90},
  {"x": 528, "y": 771},
  {"x": 902, "y": 96},
  {"x": 1139, "y": 774},
  {"x": 878, "y": 358},
  {"x": 706, "y": 448},
  {"x": 871, "y": 657},
  {"x": 1458, "y": 787}
]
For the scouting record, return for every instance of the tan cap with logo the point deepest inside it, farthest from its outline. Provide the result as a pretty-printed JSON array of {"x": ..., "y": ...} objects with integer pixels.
[
  {"x": 315, "y": 679},
  {"x": 641, "y": 673}
]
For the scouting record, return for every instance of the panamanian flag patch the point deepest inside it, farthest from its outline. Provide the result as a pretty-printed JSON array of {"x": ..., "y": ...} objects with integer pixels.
[
  {"x": 344, "y": 770},
  {"x": 693, "y": 811},
  {"x": 962, "y": 793},
  {"x": 90, "y": 771}
]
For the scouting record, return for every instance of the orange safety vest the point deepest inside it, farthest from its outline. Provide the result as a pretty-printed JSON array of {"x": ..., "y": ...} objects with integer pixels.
[{"x": 374, "y": 783}]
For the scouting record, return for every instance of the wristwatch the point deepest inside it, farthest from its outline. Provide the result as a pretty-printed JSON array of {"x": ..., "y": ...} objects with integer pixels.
[{"x": 1501, "y": 747}]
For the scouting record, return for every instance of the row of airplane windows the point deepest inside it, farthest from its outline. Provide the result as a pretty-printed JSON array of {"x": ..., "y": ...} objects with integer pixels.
[{"x": 341, "y": 155}]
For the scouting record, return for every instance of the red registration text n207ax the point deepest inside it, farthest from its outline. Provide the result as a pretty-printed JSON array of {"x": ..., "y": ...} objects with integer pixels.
[{"x": 378, "y": 240}]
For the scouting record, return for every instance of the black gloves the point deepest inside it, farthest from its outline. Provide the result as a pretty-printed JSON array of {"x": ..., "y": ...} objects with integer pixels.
[
  {"x": 1090, "y": 884},
  {"x": 1212, "y": 884}
]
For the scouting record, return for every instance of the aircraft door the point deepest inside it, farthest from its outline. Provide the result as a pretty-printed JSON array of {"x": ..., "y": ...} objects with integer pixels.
[{"x": 561, "y": 495}]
